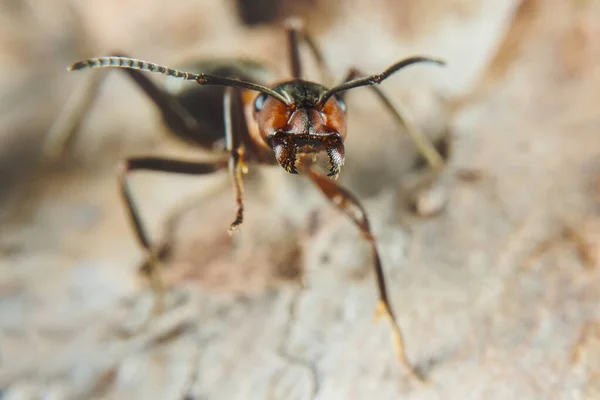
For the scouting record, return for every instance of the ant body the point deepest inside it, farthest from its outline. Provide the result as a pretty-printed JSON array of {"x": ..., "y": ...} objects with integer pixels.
[{"x": 287, "y": 123}]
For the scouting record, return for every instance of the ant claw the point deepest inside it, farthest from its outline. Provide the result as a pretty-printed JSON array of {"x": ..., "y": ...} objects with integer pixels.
[{"x": 235, "y": 225}]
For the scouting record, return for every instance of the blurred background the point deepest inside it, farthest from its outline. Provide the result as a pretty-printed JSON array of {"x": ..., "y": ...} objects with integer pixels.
[{"x": 497, "y": 292}]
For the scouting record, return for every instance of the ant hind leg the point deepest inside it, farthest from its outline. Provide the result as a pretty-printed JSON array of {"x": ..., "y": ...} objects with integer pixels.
[
  {"x": 296, "y": 33},
  {"x": 65, "y": 128},
  {"x": 431, "y": 196}
]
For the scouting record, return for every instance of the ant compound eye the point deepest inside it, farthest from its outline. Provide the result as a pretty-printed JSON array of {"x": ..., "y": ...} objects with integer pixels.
[
  {"x": 259, "y": 103},
  {"x": 341, "y": 102}
]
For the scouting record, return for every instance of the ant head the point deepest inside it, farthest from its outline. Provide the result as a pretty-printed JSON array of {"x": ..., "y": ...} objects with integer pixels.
[{"x": 304, "y": 124}]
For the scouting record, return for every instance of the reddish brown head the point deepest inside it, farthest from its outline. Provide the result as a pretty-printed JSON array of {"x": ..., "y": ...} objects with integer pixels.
[{"x": 302, "y": 125}]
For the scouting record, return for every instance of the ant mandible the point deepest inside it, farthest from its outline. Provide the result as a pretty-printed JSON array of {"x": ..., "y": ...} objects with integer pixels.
[{"x": 286, "y": 123}]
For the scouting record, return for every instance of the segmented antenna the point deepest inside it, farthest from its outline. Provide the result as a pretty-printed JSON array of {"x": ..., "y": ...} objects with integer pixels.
[
  {"x": 131, "y": 63},
  {"x": 203, "y": 79},
  {"x": 375, "y": 79}
]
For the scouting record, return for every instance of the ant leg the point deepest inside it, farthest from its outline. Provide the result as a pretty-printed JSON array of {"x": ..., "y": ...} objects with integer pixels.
[
  {"x": 294, "y": 28},
  {"x": 237, "y": 166},
  {"x": 64, "y": 129},
  {"x": 346, "y": 202},
  {"x": 158, "y": 165},
  {"x": 296, "y": 32},
  {"x": 422, "y": 143},
  {"x": 174, "y": 114}
]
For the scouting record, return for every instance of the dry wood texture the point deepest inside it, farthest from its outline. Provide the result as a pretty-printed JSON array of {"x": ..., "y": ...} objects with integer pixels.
[{"x": 498, "y": 295}]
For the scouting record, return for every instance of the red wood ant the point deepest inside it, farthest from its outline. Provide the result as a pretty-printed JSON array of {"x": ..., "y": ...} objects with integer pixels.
[{"x": 286, "y": 123}]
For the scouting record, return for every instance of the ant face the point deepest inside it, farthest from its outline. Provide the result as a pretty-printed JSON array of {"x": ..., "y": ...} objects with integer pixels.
[{"x": 302, "y": 125}]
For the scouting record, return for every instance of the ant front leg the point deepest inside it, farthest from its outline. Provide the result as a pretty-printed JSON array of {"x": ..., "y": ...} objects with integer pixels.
[
  {"x": 156, "y": 164},
  {"x": 237, "y": 165},
  {"x": 349, "y": 205},
  {"x": 422, "y": 143},
  {"x": 65, "y": 127}
]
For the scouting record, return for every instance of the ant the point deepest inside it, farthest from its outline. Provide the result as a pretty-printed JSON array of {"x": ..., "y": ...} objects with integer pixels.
[{"x": 286, "y": 123}]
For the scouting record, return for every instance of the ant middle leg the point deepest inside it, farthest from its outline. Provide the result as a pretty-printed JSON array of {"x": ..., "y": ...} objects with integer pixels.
[
  {"x": 156, "y": 164},
  {"x": 425, "y": 147},
  {"x": 346, "y": 202}
]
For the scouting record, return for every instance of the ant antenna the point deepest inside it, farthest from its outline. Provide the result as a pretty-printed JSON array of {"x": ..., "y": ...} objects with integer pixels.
[
  {"x": 202, "y": 79},
  {"x": 374, "y": 79}
]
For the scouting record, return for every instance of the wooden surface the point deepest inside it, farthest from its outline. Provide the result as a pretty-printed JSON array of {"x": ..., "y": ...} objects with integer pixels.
[{"x": 498, "y": 296}]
